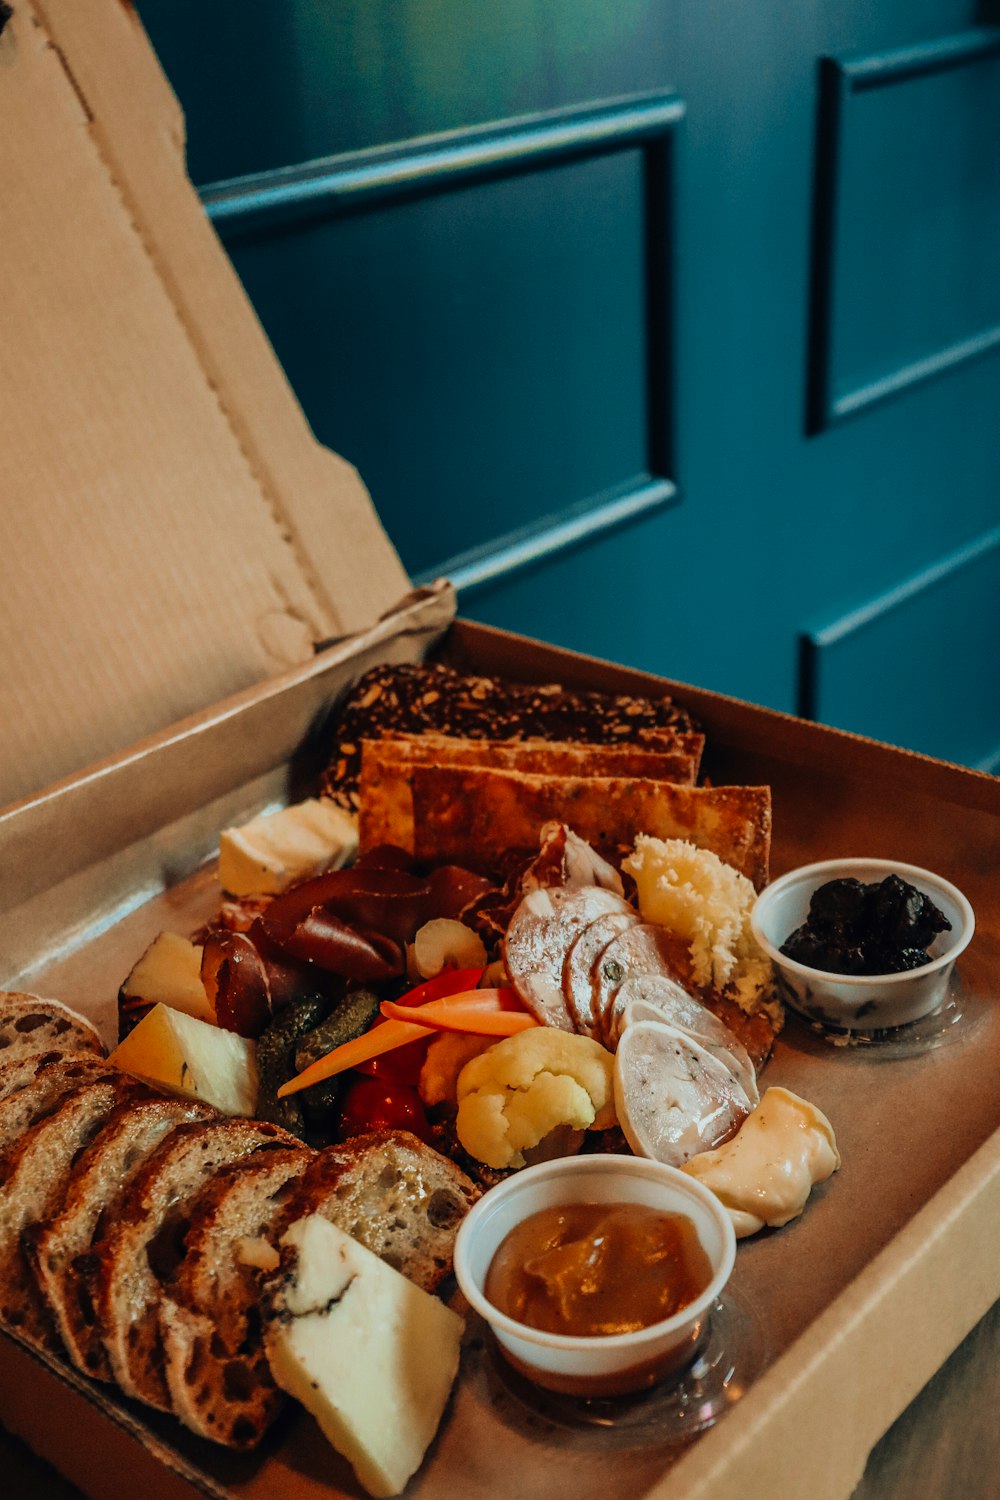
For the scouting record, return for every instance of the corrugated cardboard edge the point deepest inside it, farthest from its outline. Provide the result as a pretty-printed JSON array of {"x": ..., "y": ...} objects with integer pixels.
[
  {"x": 808, "y": 1425},
  {"x": 103, "y": 803},
  {"x": 317, "y": 497}
]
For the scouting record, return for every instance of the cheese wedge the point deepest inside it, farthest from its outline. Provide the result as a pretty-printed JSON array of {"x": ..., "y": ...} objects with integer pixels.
[
  {"x": 272, "y": 851},
  {"x": 368, "y": 1353},
  {"x": 170, "y": 972},
  {"x": 189, "y": 1057}
]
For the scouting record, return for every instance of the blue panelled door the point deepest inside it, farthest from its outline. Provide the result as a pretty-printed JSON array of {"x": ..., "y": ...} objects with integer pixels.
[{"x": 670, "y": 330}]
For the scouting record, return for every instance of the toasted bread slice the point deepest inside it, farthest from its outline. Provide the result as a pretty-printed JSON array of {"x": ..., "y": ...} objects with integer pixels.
[
  {"x": 217, "y": 1373},
  {"x": 399, "y": 1197},
  {"x": 54, "y": 1076},
  {"x": 37, "y": 1173},
  {"x": 386, "y": 797},
  {"x": 61, "y": 1250},
  {"x": 139, "y": 1250},
  {"x": 29, "y": 1023},
  {"x": 475, "y": 816}
]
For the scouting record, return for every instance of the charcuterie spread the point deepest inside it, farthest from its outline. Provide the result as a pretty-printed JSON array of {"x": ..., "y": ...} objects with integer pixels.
[{"x": 513, "y": 925}]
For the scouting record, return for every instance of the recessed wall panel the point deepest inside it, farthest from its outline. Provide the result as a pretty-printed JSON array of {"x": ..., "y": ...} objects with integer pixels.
[
  {"x": 907, "y": 246},
  {"x": 919, "y": 665},
  {"x": 460, "y": 315}
]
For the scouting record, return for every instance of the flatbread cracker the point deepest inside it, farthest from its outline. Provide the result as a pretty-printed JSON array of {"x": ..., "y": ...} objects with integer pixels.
[
  {"x": 475, "y": 816},
  {"x": 386, "y": 803}
]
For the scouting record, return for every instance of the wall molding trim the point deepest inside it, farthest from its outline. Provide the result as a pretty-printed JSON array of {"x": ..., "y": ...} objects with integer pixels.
[
  {"x": 367, "y": 181},
  {"x": 840, "y": 80}
]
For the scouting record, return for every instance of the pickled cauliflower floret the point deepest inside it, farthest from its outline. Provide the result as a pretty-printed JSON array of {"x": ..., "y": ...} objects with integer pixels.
[
  {"x": 520, "y": 1089},
  {"x": 696, "y": 895}
]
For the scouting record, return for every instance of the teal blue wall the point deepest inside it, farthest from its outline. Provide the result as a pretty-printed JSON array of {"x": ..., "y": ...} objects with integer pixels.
[{"x": 672, "y": 330}]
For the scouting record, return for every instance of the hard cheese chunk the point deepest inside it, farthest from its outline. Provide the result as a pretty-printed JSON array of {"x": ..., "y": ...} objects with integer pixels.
[
  {"x": 368, "y": 1353},
  {"x": 272, "y": 851},
  {"x": 190, "y": 1057},
  {"x": 170, "y": 972}
]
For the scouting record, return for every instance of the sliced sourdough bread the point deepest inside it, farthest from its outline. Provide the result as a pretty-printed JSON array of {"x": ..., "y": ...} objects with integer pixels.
[
  {"x": 29, "y": 1023},
  {"x": 140, "y": 1248},
  {"x": 34, "y": 1186},
  {"x": 61, "y": 1250},
  {"x": 217, "y": 1372},
  {"x": 55, "y": 1076},
  {"x": 399, "y": 1197},
  {"x": 25, "y": 1067}
]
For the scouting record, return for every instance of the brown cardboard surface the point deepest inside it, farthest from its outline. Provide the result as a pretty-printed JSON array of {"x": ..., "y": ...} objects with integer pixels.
[
  {"x": 855, "y": 1305},
  {"x": 171, "y": 532}
]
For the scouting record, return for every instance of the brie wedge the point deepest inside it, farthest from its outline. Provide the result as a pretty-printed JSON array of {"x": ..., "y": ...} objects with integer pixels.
[{"x": 272, "y": 851}]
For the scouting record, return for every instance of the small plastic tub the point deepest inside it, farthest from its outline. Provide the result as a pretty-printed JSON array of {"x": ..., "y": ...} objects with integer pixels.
[
  {"x": 860, "y": 1002},
  {"x": 603, "y": 1365}
]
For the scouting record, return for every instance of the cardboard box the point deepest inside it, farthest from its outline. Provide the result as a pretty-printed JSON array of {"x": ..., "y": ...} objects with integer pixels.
[{"x": 141, "y": 395}]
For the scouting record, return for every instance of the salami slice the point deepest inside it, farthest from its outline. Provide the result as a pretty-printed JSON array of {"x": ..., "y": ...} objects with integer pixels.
[
  {"x": 653, "y": 998},
  {"x": 539, "y": 938},
  {"x": 577, "y": 980},
  {"x": 640, "y": 949},
  {"x": 672, "y": 1097}
]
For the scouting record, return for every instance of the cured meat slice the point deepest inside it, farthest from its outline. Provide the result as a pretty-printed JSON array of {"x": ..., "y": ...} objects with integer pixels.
[
  {"x": 640, "y": 949},
  {"x": 653, "y": 998},
  {"x": 673, "y": 1098},
  {"x": 565, "y": 859},
  {"x": 577, "y": 980},
  {"x": 539, "y": 938}
]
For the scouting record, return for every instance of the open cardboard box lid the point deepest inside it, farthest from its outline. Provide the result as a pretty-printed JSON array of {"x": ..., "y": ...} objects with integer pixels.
[{"x": 172, "y": 532}]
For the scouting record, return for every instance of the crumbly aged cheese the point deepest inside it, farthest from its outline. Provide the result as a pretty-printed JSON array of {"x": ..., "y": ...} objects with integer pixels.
[
  {"x": 694, "y": 894},
  {"x": 169, "y": 972},
  {"x": 269, "y": 853},
  {"x": 764, "y": 1175},
  {"x": 189, "y": 1057},
  {"x": 368, "y": 1353}
]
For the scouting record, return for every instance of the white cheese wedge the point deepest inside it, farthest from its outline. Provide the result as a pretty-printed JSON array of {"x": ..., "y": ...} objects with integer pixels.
[
  {"x": 272, "y": 851},
  {"x": 170, "y": 972},
  {"x": 368, "y": 1353},
  {"x": 189, "y": 1057},
  {"x": 764, "y": 1175}
]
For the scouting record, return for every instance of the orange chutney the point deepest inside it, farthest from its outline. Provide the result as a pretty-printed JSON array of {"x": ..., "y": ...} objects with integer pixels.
[{"x": 592, "y": 1269}]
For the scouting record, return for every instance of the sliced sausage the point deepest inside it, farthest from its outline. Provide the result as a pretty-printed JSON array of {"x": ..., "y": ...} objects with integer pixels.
[
  {"x": 673, "y": 1098},
  {"x": 577, "y": 980},
  {"x": 653, "y": 998},
  {"x": 640, "y": 949},
  {"x": 539, "y": 938}
]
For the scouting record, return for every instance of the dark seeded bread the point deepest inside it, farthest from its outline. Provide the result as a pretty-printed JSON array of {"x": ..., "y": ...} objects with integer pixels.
[
  {"x": 412, "y": 699},
  {"x": 29, "y": 1023},
  {"x": 217, "y": 1372},
  {"x": 38, "y": 1170},
  {"x": 139, "y": 1250},
  {"x": 61, "y": 1250},
  {"x": 52, "y": 1082},
  {"x": 396, "y": 1195}
]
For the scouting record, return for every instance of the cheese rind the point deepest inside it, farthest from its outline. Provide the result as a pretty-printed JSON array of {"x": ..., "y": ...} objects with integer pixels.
[
  {"x": 270, "y": 852},
  {"x": 764, "y": 1175},
  {"x": 192, "y": 1058},
  {"x": 368, "y": 1353}
]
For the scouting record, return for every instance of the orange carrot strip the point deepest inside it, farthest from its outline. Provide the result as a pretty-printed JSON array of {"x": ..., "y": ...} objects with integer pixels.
[
  {"x": 480, "y": 1020},
  {"x": 384, "y": 1038}
]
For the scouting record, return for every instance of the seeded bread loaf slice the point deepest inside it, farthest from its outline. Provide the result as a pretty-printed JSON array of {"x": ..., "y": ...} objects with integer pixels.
[
  {"x": 37, "y": 1174},
  {"x": 29, "y": 1023},
  {"x": 61, "y": 1251},
  {"x": 140, "y": 1248},
  {"x": 217, "y": 1372},
  {"x": 55, "y": 1076},
  {"x": 399, "y": 1197}
]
